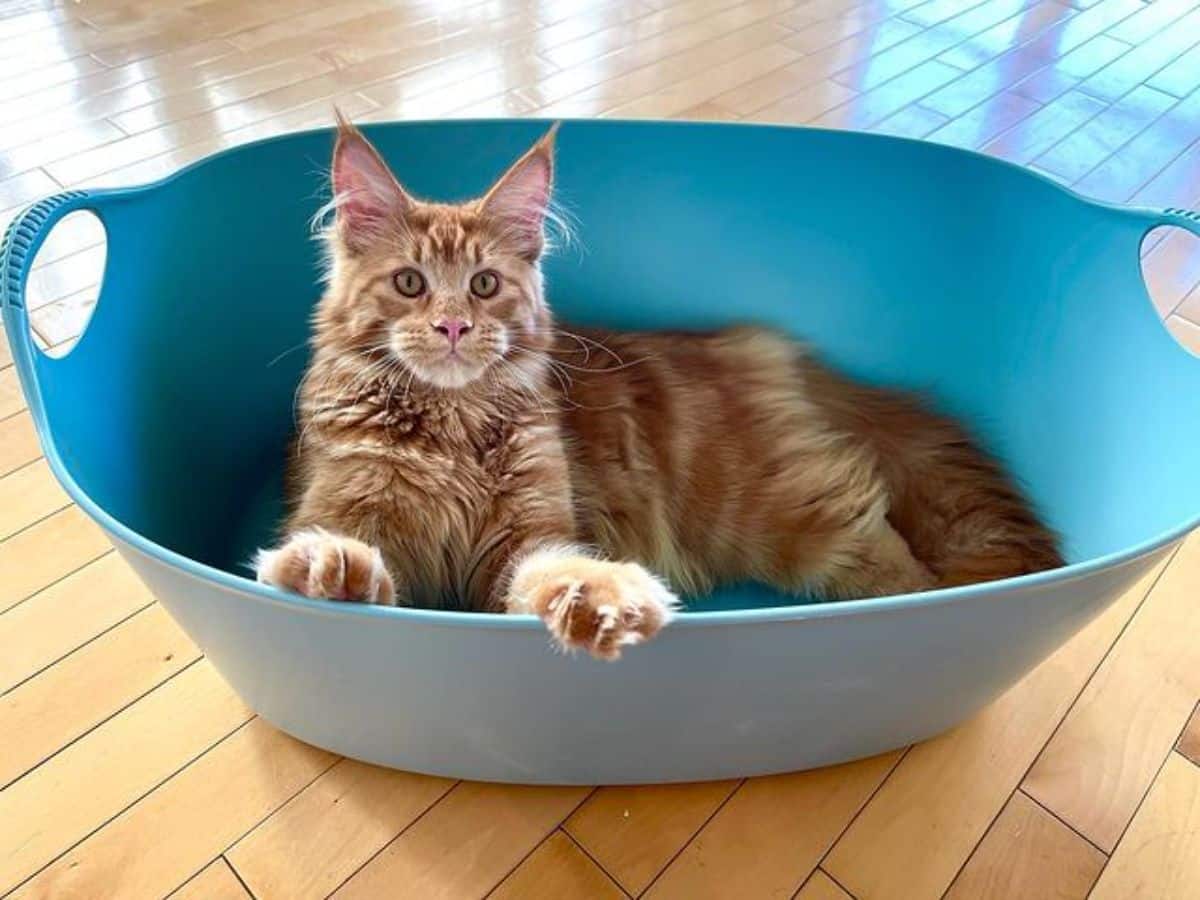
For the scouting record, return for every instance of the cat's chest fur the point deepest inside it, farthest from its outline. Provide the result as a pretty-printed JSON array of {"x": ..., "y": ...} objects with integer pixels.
[{"x": 440, "y": 483}]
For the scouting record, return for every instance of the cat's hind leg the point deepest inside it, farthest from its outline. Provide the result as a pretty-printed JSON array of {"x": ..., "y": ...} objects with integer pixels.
[
  {"x": 872, "y": 561},
  {"x": 590, "y": 604},
  {"x": 317, "y": 563}
]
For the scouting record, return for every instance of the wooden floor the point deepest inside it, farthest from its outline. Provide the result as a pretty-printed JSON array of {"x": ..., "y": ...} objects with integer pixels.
[{"x": 129, "y": 769}]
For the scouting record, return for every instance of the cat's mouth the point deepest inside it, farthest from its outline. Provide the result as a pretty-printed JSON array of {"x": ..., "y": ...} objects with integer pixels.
[{"x": 448, "y": 369}]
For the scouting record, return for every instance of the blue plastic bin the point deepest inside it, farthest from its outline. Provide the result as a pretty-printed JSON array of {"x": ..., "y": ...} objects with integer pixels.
[{"x": 1018, "y": 305}]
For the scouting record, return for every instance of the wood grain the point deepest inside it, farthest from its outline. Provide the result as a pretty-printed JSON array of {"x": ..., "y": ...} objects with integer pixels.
[
  {"x": 821, "y": 887},
  {"x": 28, "y": 494},
  {"x": 1030, "y": 854},
  {"x": 67, "y": 700},
  {"x": 45, "y": 552},
  {"x": 197, "y": 814},
  {"x": 634, "y": 831},
  {"x": 63, "y": 800},
  {"x": 557, "y": 869},
  {"x": 918, "y": 830},
  {"x": 1189, "y": 741},
  {"x": 66, "y": 615},
  {"x": 1099, "y": 765},
  {"x": 1160, "y": 855},
  {"x": 331, "y": 828},
  {"x": 215, "y": 881},
  {"x": 18, "y": 441},
  {"x": 11, "y": 399},
  {"x": 772, "y": 833},
  {"x": 466, "y": 844}
]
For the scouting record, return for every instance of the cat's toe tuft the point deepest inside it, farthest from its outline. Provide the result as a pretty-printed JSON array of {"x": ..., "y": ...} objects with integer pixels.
[
  {"x": 596, "y": 606},
  {"x": 318, "y": 564}
]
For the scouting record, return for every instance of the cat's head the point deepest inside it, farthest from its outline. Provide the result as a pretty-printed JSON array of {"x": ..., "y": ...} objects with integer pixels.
[{"x": 450, "y": 292}]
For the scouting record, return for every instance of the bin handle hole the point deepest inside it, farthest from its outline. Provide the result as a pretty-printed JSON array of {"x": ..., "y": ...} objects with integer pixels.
[
  {"x": 1170, "y": 262},
  {"x": 64, "y": 282}
]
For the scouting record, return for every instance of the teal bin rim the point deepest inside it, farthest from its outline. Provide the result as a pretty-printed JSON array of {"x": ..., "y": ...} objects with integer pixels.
[{"x": 27, "y": 232}]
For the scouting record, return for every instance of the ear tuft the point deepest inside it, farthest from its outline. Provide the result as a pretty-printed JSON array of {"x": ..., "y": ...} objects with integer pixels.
[
  {"x": 519, "y": 201},
  {"x": 366, "y": 193}
]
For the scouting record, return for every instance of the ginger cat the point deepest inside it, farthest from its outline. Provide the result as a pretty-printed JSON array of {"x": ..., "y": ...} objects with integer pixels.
[{"x": 458, "y": 450}]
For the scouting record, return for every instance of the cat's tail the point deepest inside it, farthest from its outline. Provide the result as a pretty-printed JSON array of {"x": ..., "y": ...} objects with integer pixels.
[{"x": 960, "y": 513}]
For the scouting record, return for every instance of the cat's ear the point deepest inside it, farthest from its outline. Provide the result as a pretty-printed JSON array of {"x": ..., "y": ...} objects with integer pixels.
[
  {"x": 518, "y": 202},
  {"x": 366, "y": 193}
]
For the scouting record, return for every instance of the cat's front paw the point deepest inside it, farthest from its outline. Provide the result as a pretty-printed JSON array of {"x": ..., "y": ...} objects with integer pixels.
[
  {"x": 593, "y": 605},
  {"x": 318, "y": 564}
]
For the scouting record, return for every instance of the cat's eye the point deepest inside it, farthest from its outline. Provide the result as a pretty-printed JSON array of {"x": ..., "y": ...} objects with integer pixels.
[
  {"x": 409, "y": 282},
  {"x": 485, "y": 284}
]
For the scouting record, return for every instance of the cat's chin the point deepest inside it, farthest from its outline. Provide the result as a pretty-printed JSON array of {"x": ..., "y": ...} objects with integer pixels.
[{"x": 450, "y": 374}]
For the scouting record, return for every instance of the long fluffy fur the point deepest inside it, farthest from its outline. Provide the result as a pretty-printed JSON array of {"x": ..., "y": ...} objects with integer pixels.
[{"x": 705, "y": 458}]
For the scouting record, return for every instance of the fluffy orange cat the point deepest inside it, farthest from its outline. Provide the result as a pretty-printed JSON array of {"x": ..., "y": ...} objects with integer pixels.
[{"x": 457, "y": 450}]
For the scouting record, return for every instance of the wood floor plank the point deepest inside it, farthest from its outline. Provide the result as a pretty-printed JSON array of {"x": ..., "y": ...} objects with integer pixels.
[
  {"x": 983, "y": 123},
  {"x": 331, "y": 828},
  {"x": 23, "y": 188},
  {"x": 215, "y": 881},
  {"x": 196, "y": 814},
  {"x": 769, "y": 837},
  {"x": 557, "y": 869},
  {"x": 62, "y": 801},
  {"x": 45, "y": 552},
  {"x": 968, "y": 21},
  {"x": 67, "y": 700},
  {"x": 61, "y": 144},
  {"x": 872, "y": 107},
  {"x": 1172, "y": 269},
  {"x": 64, "y": 320},
  {"x": 646, "y": 79},
  {"x": 1189, "y": 307},
  {"x": 27, "y": 495},
  {"x": 814, "y": 34},
  {"x": 1186, "y": 332},
  {"x": 1088, "y": 146},
  {"x": 806, "y": 105},
  {"x": 815, "y": 69},
  {"x": 1181, "y": 77},
  {"x": 1144, "y": 61},
  {"x": 704, "y": 86},
  {"x": 634, "y": 831},
  {"x": 639, "y": 68},
  {"x": 54, "y": 280},
  {"x": 993, "y": 42},
  {"x": 913, "y": 121},
  {"x": 821, "y": 887},
  {"x": 1054, "y": 80},
  {"x": 12, "y": 401},
  {"x": 1160, "y": 854},
  {"x": 1101, "y": 761},
  {"x": 1120, "y": 177},
  {"x": 1028, "y": 853},
  {"x": 1189, "y": 741},
  {"x": 66, "y": 615},
  {"x": 1041, "y": 130},
  {"x": 466, "y": 844},
  {"x": 1152, "y": 20},
  {"x": 18, "y": 441},
  {"x": 1021, "y": 61},
  {"x": 915, "y": 834}
]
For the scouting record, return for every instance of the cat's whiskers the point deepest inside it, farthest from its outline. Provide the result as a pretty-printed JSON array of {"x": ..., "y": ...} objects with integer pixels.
[
  {"x": 523, "y": 385},
  {"x": 584, "y": 342}
]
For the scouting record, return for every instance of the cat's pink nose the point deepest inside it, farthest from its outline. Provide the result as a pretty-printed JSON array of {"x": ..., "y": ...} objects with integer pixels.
[{"x": 453, "y": 329}]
